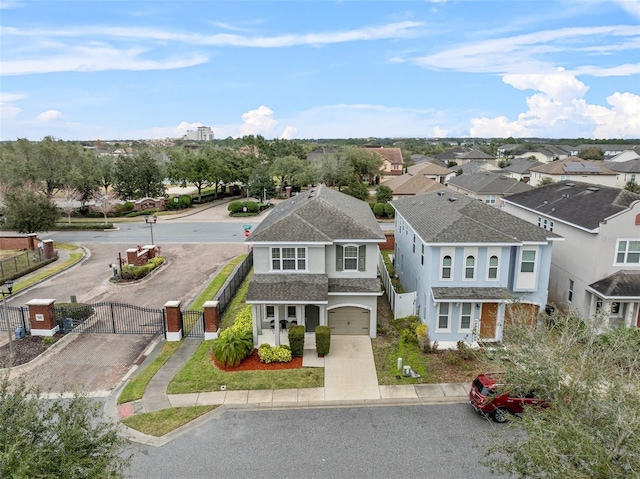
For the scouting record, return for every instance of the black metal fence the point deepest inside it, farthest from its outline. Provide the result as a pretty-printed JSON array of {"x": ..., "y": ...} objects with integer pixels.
[
  {"x": 19, "y": 262},
  {"x": 115, "y": 318},
  {"x": 18, "y": 316},
  {"x": 193, "y": 324},
  {"x": 228, "y": 290}
]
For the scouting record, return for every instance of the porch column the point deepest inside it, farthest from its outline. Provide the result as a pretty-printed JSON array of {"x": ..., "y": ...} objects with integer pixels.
[
  {"x": 256, "y": 320},
  {"x": 42, "y": 317},
  {"x": 322, "y": 320},
  {"x": 276, "y": 323},
  {"x": 174, "y": 320},
  {"x": 211, "y": 319}
]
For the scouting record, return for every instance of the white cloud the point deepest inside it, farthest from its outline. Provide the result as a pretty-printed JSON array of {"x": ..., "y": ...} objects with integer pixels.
[
  {"x": 558, "y": 109},
  {"x": 289, "y": 133},
  {"x": 8, "y": 111},
  {"x": 258, "y": 122},
  {"x": 630, "y": 6},
  {"x": 49, "y": 115},
  {"x": 5, "y": 96},
  {"x": 439, "y": 132}
]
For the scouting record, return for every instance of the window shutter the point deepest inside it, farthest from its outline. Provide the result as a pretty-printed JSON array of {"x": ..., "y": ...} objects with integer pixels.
[
  {"x": 362, "y": 257},
  {"x": 339, "y": 252}
]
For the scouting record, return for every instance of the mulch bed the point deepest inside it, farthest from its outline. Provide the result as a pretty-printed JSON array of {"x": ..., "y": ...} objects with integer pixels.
[
  {"x": 253, "y": 363},
  {"x": 26, "y": 349}
]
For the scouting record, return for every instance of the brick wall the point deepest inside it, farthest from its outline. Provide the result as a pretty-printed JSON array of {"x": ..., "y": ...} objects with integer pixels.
[{"x": 390, "y": 243}]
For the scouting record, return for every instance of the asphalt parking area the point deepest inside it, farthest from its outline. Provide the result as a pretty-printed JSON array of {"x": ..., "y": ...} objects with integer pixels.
[{"x": 94, "y": 363}]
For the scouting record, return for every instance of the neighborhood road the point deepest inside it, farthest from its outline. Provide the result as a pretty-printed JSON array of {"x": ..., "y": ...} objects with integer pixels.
[{"x": 371, "y": 442}]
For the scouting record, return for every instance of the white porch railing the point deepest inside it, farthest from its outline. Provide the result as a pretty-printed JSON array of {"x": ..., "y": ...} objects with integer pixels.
[{"x": 402, "y": 304}]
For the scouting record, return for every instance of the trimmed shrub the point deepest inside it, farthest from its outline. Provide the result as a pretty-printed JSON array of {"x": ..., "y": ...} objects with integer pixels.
[
  {"x": 235, "y": 207},
  {"x": 389, "y": 210},
  {"x": 124, "y": 208},
  {"x": 323, "y": 340},
  {"x": 384, "y": 194},
  {"x": 296, "y": 340},
  {"x": 150, "y": 211},
  {"x": 232, "y": 346},
  {"x": 83, "y": 226},
  {"x": 139, "y": 272},
  {"x": 252, "y": 206},
  {"x": 77, "y": 311},
  {"x": 277, "y": 354},
  {"x": 378, "y": 209}
]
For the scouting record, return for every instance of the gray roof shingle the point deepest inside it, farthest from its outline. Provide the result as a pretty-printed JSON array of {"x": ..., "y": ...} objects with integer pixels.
[
  {"x": 445, "y": 216},
  {"x": 582, "y": 204},
  {"x": 287, "y": 287},
  {"x": 477, "y": 294},
  {"x": 319, "y": 215},
  {"x": 622, "y": 284},
  {"x": 354, "y": 285},
  {"x": 489, "y": 183}
]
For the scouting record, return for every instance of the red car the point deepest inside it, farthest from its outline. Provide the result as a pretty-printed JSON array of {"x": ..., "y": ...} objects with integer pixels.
[{"x": 484, "y": 398}]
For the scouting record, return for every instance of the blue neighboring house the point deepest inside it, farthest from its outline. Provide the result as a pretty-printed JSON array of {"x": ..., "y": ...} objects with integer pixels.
[{"x": 474, "y": 268}]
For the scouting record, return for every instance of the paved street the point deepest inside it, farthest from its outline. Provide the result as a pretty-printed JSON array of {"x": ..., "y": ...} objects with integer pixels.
[{"x": 375, "y": 442}]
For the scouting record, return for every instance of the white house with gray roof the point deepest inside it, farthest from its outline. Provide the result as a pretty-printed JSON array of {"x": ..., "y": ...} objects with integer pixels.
[
  {"x": 474, "y": 268},
  {"x": 315, "y": 263},
  {"x": 597, "y": 267},
  {"x": 487, "y": 187}
]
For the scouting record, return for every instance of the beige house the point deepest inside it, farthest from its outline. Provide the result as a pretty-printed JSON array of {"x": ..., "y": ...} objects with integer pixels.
[
  {"x": 574, "y": 169},
  {"x": 597, "y": 268},
  {"x": 392, "y": 161}
]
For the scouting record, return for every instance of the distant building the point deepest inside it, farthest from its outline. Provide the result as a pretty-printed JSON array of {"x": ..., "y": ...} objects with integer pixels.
[{"x": 203, "y": 133}]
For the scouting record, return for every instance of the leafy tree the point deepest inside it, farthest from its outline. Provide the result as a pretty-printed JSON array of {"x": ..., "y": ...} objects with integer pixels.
[
  {"x": 84, "y": 174},
  {"x": 591, "y": 153},
  {"x": 139, "y": 176},
  {"x": 365, "y": 163},
  {"x": 188, "y": 166},
  {"x": 384, "y": 194},
  {"x": 291, "y": 170},
  {"x": 106, "y": 171},
  {"x": 104, "y": 202},
  {"x": 592, "y": 425},
  {"x": 546, "y": 181},
  {"x": 68, "y": 201},
  {"x": 357, "y": 189},
  {"x": 29, "y": 212},
  {"x": 221, "y": 169},
  {"x": 261, "y": 183},
  {"x": 57, "y": 438},
  {"x": 333, "y": 170},
  {"x": 632, "y": 186}
]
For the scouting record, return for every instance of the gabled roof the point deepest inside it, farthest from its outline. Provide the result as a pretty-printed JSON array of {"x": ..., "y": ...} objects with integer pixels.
[
  {"x": 621, "y": 284},
  {"x": 573, "y": 165},
  {"x": 318, "y": 215},
  {"x": 582, "y": 204},
  {"x": 448, "y": 217},
  {"x": 476, "y": 166},
  {"x": 392, "y": 155},
  {"x": 521, "y": 165},
  {"x": 476, "y": 155},
  {"x": 489, "y": 183},
  {"x": 429, "y": 168},
  {"x": 283, "y": 287},
  {"x": 631, "y": 166},
  {"x": 412, "y": 184}
]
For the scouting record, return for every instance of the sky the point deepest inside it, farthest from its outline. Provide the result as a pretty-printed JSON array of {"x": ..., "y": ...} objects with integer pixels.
[{"x": 118, "y": 70}]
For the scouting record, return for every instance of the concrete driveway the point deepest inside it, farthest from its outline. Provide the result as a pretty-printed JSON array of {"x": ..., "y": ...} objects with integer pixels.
[{"x": 349, "y": 369}]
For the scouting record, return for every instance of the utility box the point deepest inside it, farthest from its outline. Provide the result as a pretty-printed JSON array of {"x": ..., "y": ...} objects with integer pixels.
[
  {"x": 67, "y": 324},
  {"x": 406, "y": 371},
  {"x": 20, "y": 333}
]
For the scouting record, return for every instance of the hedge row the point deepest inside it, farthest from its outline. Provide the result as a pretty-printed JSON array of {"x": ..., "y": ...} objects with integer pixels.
[{"x": 130, "y": 272}]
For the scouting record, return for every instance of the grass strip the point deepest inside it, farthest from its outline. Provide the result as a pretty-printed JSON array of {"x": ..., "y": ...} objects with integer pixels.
[
  {"x": 136, "y": 386},
  {"x": 212, "y": 289},
  {"x": 162, "y": 422},
  {"x": 48, "y": 272}
]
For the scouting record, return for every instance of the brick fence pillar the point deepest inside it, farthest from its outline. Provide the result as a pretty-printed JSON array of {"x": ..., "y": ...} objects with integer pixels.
[
  {"x": 132, "y": 256},
  {"x": 174, "y": 320},
  {"x": 33, "y": 240},
  {"x": 287, "y": 190},
  {"x": 48, "y": 252},
  {"x": 42, "y": 317},
  {"x": 211, "y": 319}
]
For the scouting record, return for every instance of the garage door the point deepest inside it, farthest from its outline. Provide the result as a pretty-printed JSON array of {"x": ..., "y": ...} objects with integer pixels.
[{"x": 349, "y": 320}]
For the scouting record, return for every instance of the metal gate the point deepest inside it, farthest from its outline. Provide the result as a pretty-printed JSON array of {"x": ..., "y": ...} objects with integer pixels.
[
  {"x": 193, "y": 324},
  {"x": 18, "y": 317},
  {"x": 114, "y": 318}
]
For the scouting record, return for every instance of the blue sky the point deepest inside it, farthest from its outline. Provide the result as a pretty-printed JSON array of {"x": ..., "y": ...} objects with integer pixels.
[{"x": 301, "y": 69}]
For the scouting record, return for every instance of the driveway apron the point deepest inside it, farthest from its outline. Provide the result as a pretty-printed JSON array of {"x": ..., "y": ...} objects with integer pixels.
[{"x": 349, "y": 369}]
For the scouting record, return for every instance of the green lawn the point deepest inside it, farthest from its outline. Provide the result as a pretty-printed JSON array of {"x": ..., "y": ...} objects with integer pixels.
[
  {"x": 216, "y": 284},
  {"x": 164, "y": 421}
]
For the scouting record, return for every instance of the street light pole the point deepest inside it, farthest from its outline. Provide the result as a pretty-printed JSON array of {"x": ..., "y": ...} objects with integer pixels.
[
  {"x": 151, "y": 221},
  {"x": 9, "y": 285}
]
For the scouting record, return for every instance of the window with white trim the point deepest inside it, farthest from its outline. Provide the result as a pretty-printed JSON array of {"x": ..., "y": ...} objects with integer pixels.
[
  {"x": 446, "y": 267},
  {"x": 528, "y": 263},
  {"x": 289, "y": 259},
  {"x": 615, "y": 309},
  {"x": 443, "y": 316},
  {"x": 271, "y": 312},
  {"x": 492, "y": 272},
  {"x": 570, "y": 295},
  {"x": 490, "y": 199},
  {"x": 470, "y": 268},
  {"x": 351, "y": 258},
  {"x": 465, "y": 316},
  {"x": 628, "y": 252},
  {"x": 422, "y": 255},
  {"x": 414, "y": 244},
  {"x": 291, "y": 313}
]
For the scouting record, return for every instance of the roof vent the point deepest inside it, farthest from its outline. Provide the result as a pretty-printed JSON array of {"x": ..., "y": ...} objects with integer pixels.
[
  {"x": 441, "y": 193},
  {"x": 570, "y": 185},
  {"x": 593, "y": 188},
  {"x": 452, "y": 199}
]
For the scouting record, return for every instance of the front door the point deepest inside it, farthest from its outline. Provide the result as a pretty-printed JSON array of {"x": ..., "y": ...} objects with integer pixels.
[
  {"x": 311, "y": 318},
  {"x": 488, "y": 321}
]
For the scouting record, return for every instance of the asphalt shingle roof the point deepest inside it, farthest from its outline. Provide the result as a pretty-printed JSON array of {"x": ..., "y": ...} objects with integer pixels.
[
  {"x": 624, "y": 283},
  {"x": 582, "y": 204},
  {"x": 568, "y": 165},
  {"x": 477, "y": 294},
  {"x": 318, "y": 215},
  {"x": 285, "y": 287},
  {"x": 631, "y": 166},
  {"x": 489, "y": 183},
  {"x": 354, "y": 285},
  {"x": 448, "y": 217},
  {"x": 522, "y": 165}
]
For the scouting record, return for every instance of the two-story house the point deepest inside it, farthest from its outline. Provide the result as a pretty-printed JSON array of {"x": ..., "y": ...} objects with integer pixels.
[
  {"x": 475, "y": 268},
  {"x": 486, "y": 186},
  {"x": 574, "y": 169},
  {"x": 597, "y": 268},
  {"x": 315, "y": 263}
]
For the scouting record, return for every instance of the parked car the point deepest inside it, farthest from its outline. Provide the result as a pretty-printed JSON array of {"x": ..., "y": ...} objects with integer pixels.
[{"x": 485, "y": 398}]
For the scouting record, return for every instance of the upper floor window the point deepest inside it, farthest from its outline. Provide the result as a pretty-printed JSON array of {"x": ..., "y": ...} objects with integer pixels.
[
  {"x": 351, "y": 258},
  {"x": 490, "y": 199},
  {"x": 470, "y": 268},
  {"x": 446, "y": 267},
  {"x": 628, "y": 251},
  {"x": 493, "y": 268},
  {"x": 528, "y": 262},
  {"x": 289, "y": 259}
]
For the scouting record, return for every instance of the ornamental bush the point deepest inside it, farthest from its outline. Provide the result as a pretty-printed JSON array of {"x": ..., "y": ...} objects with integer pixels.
[
  {"x": 235, "y": 207},
  {"x": 236, "y": 342},
  {"x": 389, "y": 210},
  {"x": 296, "y": 340},
  {"x": 139, "y": 272},
  {"x": 323, "y": 340},
  {"x": 277, "y": 354},
  {"x": 378, "y": 209},
  {"x": 252, "y": 206}
]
